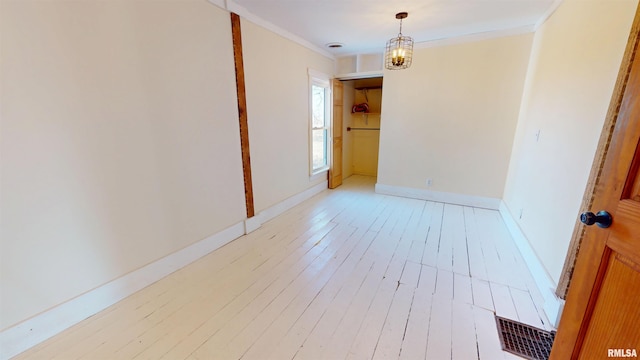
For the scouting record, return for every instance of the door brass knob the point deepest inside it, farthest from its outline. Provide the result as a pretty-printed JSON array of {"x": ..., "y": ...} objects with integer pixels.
[{"x": 603, "y": 219}]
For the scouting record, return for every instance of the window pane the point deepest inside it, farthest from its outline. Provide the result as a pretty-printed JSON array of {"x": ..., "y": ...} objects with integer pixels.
[
  {"x": 319, "y": 148},
  {"x": 318, "y": 106}
]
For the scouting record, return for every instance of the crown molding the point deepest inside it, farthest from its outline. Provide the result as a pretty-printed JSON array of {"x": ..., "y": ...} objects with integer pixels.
[
  {"x": 232, "y": 6},
  {"x": 475, "y": 37},
  {"x": 552, "y": 9}
]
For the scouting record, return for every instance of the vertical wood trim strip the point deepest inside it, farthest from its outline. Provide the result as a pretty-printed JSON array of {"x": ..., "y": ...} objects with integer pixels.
[
  {"x": 242, "y": 113},
  {"x": 601, "y": 153}
]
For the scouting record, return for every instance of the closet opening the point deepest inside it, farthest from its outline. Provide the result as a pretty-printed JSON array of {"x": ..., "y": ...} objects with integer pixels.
[{"x": 361, "y": 140}]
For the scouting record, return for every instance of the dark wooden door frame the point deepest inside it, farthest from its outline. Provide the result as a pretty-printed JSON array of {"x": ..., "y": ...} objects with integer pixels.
[
  {"x": 242, "y": 113},
  {"x": 601, "y": 153}
]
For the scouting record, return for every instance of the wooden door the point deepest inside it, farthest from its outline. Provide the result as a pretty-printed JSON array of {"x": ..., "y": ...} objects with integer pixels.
[
  {"x": 601, "y": 318},
  {"x": 335, "y": 169}
]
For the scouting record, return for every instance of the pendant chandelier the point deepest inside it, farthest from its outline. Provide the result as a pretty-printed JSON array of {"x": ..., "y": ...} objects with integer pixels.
[{"x": 399, "y": 49}]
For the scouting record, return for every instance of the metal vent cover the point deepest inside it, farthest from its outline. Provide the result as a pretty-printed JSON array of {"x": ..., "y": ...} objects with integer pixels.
[{"x": 524, "y": 340}]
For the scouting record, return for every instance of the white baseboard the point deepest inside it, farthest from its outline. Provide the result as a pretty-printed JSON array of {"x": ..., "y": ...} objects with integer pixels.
[
  {"x": 552, "y": 304},
  {"x": 271, "y": 212},
  {"x": 438, "y": 196},
  {"x": 33, "y": 331}
]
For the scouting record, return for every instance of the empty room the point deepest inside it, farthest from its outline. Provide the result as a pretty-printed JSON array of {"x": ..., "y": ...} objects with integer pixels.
[{"x": 290, "y": 179}]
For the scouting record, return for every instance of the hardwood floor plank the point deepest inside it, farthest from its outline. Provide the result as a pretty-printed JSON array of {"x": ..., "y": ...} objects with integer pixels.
[
  {"x": 440, "y": 326},
  {"x": 390, "y": 341},
  {"x": 419, "y": 231},
  {"x": 137, "y": 306},
  {"x": 486, "y": 234},
  {"x": 439, "y": 342},
  {"x": 527, "y": 312},
  {"x": 482, "y": 294},
  {"x": 430, "y": 255},
  {"x": 503, "y": 302},
  {"x": 477, "y": 267},
  {"x": 487, "y": 335},
  {"x": 258, "y": 292},
  {"x": 462, "y": 291},
  {"x": 288, "y": 307},
  {"x": 324, "y": 309},
  {"x": 380, "y": 253},
  {"x": 342, "y": 336},
  {"x": 448, "y": 233},
  {"x": 346, "y": 274},
  {"x": 460, "y": 261},
  {"x": 306, "y": 311},
  {"x": 236, "y": 318},
  {"x": 142, "y": 329},
  {"x": 368, "y": 334},
  {"x": 383, "y": 217},
  {"x": 444, "y": 285},
  {"x": 94, "y": 324},
  {"x": 463, "y": 334},
  {"x": 414, "y": 344},
  {"x": 365, "y": 341}
]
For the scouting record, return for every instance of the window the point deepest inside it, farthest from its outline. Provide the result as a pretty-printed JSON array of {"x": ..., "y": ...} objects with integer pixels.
[{"x": 320, "y": 123}]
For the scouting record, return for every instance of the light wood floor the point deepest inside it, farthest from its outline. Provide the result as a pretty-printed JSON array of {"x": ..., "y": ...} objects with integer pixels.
[{"x": 348, "y": 274}]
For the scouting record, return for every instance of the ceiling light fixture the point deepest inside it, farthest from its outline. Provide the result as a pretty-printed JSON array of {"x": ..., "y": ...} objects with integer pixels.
[{"x": 399, "y": 49}]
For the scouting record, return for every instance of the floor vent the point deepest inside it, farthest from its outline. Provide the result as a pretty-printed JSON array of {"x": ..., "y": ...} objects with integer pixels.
[{"x": 524, "y": 340}]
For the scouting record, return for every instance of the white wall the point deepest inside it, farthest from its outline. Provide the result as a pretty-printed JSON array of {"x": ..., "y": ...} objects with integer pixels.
[
  {"x": 120, "y": 142},
  {"x": 451, "y": 117},
  {"x": 278, "y": 113},
  {"x": 574, "y": 63}
]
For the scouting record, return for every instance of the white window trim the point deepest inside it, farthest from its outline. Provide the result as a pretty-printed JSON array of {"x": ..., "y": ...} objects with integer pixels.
[
  {"x": 320, "y": 79},
  {"x": 318, "y": 175}
]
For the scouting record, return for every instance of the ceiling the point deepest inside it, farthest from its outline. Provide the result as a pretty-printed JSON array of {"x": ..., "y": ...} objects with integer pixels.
[{"x": 364, "y": 26}]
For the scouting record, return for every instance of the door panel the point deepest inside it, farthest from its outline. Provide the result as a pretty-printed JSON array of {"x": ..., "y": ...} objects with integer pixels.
[
  {"x": 625, "y": 236},
  {"x": 632, "y": 187},
  {"x": 337, "y": 161},
  {"x": 335, "y": 169},
  {"x": 614, "y": 323}
]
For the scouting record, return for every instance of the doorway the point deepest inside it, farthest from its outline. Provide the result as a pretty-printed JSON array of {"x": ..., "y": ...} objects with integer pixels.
[{"x": 362, "y": 109}]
